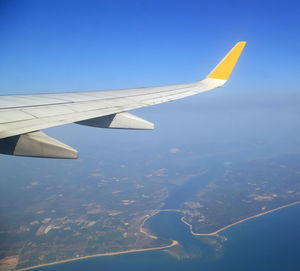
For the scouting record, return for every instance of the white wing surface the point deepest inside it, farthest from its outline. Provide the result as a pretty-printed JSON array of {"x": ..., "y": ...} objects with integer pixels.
[{"x": 23, "y": 116}]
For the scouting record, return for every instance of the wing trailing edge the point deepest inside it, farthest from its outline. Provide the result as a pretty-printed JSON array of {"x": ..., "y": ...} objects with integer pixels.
[
  {"x": 23, "y": 116},
  {"x": 38, "y": 144}
]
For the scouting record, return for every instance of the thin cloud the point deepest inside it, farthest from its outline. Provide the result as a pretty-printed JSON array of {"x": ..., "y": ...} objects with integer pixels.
[{"x": 174, "y": 150}]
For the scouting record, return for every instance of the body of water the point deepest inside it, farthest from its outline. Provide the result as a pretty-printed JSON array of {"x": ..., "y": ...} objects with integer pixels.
[{"x": 269, "y": 242}]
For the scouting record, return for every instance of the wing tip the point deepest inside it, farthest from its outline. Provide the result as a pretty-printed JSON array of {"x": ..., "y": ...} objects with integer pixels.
[{"x": 224, "y": 68}]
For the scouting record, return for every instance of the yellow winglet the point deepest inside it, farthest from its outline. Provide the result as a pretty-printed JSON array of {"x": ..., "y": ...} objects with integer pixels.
[{"x": 225, "y": 67}]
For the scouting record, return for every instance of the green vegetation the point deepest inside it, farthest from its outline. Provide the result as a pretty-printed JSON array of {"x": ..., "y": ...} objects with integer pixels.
[{"x": 50, "y": 219}]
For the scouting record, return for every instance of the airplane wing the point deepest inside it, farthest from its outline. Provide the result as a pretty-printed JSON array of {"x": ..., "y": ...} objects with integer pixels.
[{"x": 23, "y": 116}]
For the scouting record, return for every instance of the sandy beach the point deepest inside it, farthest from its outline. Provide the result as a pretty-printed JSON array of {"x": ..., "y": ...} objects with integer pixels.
[
  {"x": 238, "y": 222},
  {"x": 173, "y": 243}
]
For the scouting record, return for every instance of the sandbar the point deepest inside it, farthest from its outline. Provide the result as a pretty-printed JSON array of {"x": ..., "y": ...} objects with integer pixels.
[{"x": 174, "y": 243}]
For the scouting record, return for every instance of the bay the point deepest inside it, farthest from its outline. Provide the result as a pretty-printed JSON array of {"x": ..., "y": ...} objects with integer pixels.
[{"x": 269, "y": 242}]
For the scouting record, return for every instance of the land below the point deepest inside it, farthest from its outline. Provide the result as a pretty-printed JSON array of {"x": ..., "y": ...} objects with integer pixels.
[{"x": 107, "y": 214}]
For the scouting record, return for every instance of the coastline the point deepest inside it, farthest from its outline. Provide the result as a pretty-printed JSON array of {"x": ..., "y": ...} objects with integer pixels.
[
  {"x": 238, "y": 222},
  {"x": 142, "y": 230},
  {"x": 174, "y": 242},
  {"x": 210, "y": 233}
]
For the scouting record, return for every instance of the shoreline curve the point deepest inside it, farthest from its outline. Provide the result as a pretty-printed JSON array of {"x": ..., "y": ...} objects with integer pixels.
[
  {"x": 238, "y": 222},
  {"x": 210, "y": 233},
  {"x": 174, "y": 243}
]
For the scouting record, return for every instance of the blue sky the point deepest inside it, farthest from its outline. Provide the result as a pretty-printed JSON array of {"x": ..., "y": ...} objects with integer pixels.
[{"x": 50, "y": 46}]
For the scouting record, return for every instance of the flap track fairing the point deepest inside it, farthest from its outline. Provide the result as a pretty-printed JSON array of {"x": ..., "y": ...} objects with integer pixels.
[
  {"x": 36, "y": 144},
  {"x": 122, "y": 120}
]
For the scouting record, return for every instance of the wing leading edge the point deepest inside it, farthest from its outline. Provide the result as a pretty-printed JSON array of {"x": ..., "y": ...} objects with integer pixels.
[{"x": 23, "y": 116}]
